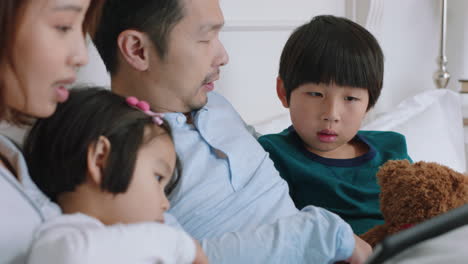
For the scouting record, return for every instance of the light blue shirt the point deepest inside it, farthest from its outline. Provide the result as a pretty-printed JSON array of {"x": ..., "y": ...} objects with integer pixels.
[{"x": 231, "y": 197}]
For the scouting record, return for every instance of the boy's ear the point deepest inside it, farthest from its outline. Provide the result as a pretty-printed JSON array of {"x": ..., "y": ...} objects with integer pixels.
[
  {"x": 98, "y": 153},
  {"x": 281, "y": 92},
  {"x": 134, "y": 48}
]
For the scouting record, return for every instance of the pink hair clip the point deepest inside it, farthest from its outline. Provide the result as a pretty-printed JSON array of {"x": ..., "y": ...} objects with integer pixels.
[{"x": 145, "y": 108}]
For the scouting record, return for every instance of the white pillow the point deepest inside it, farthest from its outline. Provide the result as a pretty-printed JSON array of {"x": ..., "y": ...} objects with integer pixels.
[{"x": 432, "y": 124}]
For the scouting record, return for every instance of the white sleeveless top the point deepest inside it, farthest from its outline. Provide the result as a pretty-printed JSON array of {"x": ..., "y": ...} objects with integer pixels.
[{"x": 24, "y": 207}]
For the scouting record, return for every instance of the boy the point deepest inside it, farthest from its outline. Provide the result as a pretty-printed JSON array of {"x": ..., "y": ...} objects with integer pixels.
[{"x": 331, "y": 74}]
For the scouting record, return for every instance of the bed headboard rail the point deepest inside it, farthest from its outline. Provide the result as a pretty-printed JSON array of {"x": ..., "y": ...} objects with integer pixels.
[{"x": 441, "y": 76}]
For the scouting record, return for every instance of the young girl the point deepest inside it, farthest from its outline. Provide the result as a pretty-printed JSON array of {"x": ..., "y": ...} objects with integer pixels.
[
  {"x": 41, "y": 45},
  {"x": 107, "y": 162}
]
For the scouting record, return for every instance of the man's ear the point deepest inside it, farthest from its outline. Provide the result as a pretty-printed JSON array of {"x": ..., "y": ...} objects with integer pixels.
[
  {"x": 98, "y": 153},
  {"x": 281, "y": 92},
  {"x": 134, "y": 48}
]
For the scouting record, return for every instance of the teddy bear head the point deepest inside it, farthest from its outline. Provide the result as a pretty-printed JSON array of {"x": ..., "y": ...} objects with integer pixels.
[{"x": 412, "y": 193}]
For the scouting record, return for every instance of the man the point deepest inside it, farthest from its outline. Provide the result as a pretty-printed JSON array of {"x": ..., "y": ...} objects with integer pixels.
[{"x": 230, "y": 196}]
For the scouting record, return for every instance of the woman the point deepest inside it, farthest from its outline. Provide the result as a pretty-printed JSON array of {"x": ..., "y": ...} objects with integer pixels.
[{"x": 42, "y": 44}]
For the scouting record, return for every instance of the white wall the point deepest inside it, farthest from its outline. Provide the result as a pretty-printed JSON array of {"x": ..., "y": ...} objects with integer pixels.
[
  {"x": 409, "y": 35},
  {"x": 296, "y": 10}
]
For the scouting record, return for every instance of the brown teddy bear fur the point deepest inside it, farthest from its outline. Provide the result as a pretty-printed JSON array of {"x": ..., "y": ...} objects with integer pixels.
[{"x": 413, "y": 193}]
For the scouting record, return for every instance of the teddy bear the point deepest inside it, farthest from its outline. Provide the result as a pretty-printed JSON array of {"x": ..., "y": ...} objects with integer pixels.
[{"x": 413, "y": 193}]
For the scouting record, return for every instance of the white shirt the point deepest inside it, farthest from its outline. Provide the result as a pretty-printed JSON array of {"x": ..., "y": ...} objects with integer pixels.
[
  {"x": 23, "y": 206},
  {"x": 81, "y": 239}
]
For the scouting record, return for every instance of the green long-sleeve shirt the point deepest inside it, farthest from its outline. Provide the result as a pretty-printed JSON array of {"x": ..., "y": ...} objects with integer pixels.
[{"x": 347, "y": 187}]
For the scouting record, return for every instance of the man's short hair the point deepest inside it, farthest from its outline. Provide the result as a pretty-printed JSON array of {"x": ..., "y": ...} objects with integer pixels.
[
  {"x": 155, "y": 18},
  {"x": 336, "y": 50}
]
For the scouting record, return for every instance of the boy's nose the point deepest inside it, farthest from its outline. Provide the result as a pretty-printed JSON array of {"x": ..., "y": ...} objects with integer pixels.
[{"x": 331, "y": 113}]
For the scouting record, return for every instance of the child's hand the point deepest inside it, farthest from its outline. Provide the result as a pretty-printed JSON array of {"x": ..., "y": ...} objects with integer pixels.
[
  {"x": 200, "y": 257},
  {"x": 361, "y": 252}
]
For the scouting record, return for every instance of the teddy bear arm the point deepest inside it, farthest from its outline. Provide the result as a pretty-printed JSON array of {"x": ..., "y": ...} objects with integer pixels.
[{"x": 375, "y": 235}]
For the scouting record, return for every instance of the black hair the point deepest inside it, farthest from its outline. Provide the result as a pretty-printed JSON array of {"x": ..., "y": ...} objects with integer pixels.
[
  {"x": 56, "y": 147},
  {"x": 155, "y": 18},
  {"x": 336, "y": 50}
]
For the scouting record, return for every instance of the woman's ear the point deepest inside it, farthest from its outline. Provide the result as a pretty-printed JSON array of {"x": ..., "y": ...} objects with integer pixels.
[
  {"x": 98, "y": 153},
  {"x": 134, "y": 48},
  {"x": 281, "y": 92}
]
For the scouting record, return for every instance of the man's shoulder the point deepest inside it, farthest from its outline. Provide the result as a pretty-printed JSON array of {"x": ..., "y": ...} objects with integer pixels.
[
  {"x": 217, "y": 100},
  {"x": 221, "y": 110}
]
